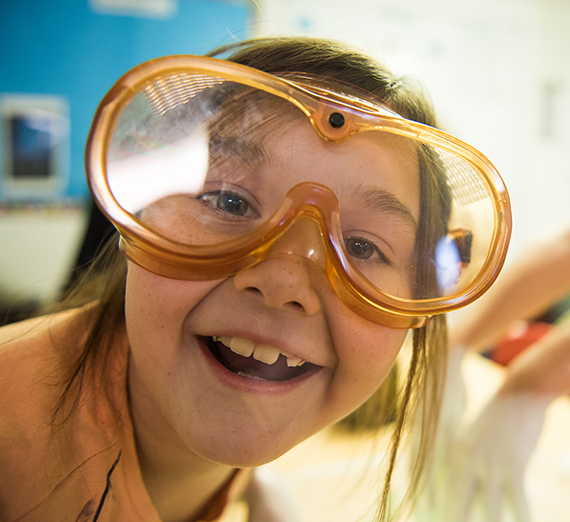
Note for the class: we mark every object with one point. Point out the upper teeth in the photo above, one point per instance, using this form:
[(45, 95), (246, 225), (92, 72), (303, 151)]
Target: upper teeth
[(261, 352)]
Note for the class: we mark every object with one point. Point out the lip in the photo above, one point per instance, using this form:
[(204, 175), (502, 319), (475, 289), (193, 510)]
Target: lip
[(245, 384)]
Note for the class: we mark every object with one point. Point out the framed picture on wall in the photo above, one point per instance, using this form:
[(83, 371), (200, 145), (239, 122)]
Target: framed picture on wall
[(34, 147)]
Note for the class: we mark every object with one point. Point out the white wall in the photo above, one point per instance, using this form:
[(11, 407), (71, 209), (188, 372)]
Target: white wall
[(498, 72), (38, 247)]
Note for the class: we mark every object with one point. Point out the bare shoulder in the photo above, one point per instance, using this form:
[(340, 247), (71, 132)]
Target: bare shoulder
[(31, 364), (44, 333)]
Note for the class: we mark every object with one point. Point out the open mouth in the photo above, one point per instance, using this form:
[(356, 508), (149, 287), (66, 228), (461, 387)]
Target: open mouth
[(266, 363)]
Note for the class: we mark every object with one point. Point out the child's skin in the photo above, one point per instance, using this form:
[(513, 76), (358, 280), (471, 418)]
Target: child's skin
[(194, 419)]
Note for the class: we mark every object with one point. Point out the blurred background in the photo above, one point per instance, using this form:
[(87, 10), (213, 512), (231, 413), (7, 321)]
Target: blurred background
[(498, 72)]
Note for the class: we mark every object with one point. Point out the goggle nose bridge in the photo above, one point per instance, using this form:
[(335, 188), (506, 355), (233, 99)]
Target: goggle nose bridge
[(305, 235), (310, 221)]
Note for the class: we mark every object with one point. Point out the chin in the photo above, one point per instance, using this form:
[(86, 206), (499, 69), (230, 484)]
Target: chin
[(249, 454)]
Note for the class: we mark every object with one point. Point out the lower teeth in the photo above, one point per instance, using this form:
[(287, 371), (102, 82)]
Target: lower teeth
[(254, 377)]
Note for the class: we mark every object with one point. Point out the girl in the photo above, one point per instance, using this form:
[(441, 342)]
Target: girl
[(286, 215)]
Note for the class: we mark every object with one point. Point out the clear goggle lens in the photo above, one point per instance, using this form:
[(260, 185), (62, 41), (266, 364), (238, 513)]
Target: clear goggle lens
[(214, 167)]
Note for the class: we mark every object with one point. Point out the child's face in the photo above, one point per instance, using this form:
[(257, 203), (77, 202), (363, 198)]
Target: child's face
[(209, 400)]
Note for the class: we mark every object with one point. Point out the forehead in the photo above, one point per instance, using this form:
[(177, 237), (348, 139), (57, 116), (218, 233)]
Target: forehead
[(287, 151)]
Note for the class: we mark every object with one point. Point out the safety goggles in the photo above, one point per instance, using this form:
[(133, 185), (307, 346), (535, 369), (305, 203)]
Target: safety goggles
[(207, 168)]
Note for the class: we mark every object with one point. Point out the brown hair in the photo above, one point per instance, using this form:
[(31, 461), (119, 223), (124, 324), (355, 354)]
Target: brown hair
[(104, 283)]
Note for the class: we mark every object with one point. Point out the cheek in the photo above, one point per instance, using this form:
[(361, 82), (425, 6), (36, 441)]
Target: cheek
[(366, 353), (156, 307), (372, 352), (147, 309)]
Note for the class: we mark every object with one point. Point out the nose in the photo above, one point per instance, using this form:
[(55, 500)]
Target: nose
[(285, 278)]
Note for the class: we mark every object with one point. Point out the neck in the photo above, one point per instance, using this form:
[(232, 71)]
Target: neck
[(179, 495), (179, 482)]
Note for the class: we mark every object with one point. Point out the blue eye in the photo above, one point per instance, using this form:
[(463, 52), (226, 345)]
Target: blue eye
[(229, 204), (232, 203)]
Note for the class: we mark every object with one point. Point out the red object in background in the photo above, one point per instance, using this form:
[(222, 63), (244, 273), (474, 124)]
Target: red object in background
[(520, 336)]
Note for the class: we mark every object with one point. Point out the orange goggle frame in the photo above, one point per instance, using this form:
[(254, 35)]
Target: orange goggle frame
[(171, 81)]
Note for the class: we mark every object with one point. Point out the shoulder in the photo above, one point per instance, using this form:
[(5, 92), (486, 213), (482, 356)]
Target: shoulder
[(32, 349), (26, 349), (41, 332), (43, 462), (31, 367), (33, 363), (37, 355)]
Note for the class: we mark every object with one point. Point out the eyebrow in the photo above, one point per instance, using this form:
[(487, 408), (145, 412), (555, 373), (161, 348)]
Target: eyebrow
[(381, 200), (244, 150)]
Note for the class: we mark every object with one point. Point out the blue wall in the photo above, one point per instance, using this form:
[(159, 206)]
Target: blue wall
[(63, 47)]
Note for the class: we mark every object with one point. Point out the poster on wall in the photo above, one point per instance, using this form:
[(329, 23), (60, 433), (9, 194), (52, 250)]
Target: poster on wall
[(34, 147)]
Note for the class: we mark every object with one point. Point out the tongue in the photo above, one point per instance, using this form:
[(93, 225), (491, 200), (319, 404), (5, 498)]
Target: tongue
[(248, 366)]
